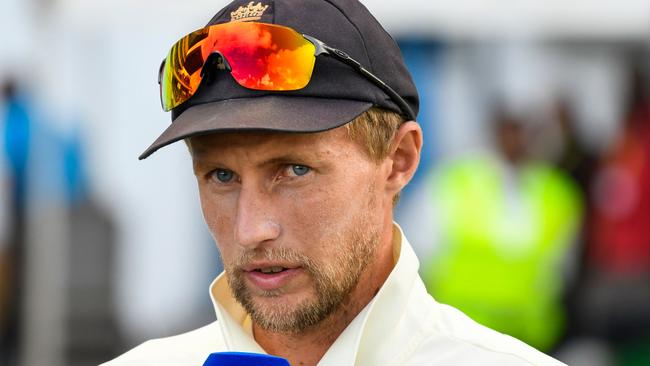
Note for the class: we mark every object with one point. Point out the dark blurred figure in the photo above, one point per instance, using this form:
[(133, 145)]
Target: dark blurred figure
[(92, 331), (507, 223), (92, 242), (511, 139), (16, 125), (91, 334), (616, 297), (577, 161)]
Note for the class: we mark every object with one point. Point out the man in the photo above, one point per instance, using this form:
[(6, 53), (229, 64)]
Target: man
[(300, 152)]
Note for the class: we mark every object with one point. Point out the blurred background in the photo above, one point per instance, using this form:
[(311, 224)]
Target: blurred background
[(530, 212)]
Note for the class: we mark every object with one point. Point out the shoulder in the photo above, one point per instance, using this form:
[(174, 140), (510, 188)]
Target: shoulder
[(191, 348), (457, 339)]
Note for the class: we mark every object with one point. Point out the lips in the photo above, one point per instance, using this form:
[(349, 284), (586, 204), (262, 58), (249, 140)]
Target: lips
[(270, 270), (270, 276)]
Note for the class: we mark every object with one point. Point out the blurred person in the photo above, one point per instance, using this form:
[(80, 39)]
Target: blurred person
[(616, 296), (505, 226), (15, 127), (621, 237), (298, 174), (91, 241), (6, 264), (82, 278), (4, 240), (577, 161), (575, 158)]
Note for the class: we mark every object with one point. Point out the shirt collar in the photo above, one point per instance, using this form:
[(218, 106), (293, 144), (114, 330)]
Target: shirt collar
[(359, 342)]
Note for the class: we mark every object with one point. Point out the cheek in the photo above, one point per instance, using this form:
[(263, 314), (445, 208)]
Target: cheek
[(320, 215), (218, 217), (307, 214)]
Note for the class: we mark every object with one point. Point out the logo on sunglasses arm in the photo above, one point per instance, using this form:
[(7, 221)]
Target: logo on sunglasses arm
[(248, 13)]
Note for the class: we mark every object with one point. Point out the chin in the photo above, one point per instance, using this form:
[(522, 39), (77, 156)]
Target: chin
[(285, 313), (277, 299)]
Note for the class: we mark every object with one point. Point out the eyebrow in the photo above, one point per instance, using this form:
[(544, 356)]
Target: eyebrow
[(307, 158), (291, 158)]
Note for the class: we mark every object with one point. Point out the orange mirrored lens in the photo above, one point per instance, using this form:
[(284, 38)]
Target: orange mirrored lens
[(262, 57)]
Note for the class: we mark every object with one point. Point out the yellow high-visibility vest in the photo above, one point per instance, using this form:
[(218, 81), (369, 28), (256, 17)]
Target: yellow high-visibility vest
[(504, 267)]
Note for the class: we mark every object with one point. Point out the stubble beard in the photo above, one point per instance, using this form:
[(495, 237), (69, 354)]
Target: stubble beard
[(332, 282)]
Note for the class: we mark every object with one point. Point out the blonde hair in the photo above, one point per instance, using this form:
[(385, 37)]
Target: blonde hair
[(374, 130)]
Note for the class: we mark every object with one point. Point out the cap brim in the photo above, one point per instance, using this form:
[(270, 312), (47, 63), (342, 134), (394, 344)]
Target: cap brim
[(267, 113)]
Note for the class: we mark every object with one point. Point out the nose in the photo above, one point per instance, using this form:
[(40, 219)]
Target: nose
[(255, 221)]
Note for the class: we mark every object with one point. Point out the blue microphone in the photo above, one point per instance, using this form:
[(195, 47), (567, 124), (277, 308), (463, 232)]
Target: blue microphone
[(244, 359)]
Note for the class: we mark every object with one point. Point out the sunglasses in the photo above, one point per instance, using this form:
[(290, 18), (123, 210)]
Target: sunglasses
[(259, 56)]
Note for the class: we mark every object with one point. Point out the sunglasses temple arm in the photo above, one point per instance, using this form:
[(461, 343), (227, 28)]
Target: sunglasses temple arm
[(160, 76), (388, 90), (344, 57)]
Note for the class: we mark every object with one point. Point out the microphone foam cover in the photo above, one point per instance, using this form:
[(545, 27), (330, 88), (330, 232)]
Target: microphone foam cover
[(244, 359)]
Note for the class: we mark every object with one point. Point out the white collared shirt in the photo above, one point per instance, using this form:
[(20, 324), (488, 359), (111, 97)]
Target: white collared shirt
[(402, 325)]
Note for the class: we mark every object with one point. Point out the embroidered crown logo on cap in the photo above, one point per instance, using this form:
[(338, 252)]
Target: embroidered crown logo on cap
[(248, 13)]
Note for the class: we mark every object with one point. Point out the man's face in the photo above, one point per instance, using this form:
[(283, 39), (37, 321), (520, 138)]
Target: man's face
[(297, 218)]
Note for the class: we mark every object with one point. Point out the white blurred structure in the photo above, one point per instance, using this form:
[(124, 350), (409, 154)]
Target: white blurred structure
[(107, 55), (550, 19), (608, 19)]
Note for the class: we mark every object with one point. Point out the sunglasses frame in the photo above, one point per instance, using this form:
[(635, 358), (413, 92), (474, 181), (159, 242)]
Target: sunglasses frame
[(320, 49), (324, 49)]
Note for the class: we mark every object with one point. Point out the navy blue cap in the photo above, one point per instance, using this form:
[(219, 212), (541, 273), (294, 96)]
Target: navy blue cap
[(336, 93)]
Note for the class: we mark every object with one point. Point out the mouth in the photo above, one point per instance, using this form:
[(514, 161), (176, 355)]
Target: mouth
[(269, 277), (269, 267), (270, 270)]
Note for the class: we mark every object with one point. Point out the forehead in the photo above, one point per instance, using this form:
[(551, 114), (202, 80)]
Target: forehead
[(254, 144)]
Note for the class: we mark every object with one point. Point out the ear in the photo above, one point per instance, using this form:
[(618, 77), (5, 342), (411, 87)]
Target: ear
[(404, 156)]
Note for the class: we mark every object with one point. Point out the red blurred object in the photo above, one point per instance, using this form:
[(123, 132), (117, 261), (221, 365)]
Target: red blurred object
[(621, 221)]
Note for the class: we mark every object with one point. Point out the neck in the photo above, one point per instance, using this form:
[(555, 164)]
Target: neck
[(306, 348)]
